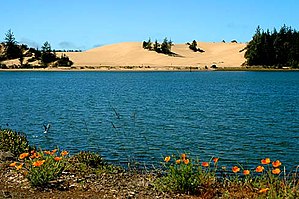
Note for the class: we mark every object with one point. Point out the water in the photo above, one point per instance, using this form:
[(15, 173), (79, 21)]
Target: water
[(240, 117)]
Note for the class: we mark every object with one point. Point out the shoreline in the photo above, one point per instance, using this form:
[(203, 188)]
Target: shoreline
[(153, 69)]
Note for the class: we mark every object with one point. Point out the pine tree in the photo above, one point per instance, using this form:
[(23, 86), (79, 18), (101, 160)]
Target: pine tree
[(12, 50), (47, 56)]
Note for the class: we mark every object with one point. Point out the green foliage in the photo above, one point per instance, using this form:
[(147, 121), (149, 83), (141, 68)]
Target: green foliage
[(13, 141), (148, 44), (164, 48), (193, 46), (183, 175), (274, 48), (12, 50), (47, 56), (64, 61), (88, 158), (40, 168)]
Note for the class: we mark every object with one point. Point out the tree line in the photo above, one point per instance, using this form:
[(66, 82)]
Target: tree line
[(164, 47), (276, 48), (46, 56)]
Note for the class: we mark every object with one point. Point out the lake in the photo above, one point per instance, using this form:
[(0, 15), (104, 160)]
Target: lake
[(240, 117)]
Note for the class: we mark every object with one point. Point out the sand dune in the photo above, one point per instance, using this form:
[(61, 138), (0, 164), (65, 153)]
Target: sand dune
[(132, 54)]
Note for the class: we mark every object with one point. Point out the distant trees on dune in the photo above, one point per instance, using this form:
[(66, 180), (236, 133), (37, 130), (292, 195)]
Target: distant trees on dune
[(193, 46), (276, 48), (164, 47), (10, 50)]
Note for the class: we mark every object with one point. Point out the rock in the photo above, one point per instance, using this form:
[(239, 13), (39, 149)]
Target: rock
[(6, 156)]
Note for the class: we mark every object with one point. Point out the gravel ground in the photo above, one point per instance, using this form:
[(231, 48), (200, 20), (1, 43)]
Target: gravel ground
[(123, 184)]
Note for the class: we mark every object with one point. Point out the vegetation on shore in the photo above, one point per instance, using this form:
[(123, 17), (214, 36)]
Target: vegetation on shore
[(179, 175), (276, 48), (10, 49)]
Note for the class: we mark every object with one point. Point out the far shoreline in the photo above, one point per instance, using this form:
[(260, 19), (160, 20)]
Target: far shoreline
[(153, 69)]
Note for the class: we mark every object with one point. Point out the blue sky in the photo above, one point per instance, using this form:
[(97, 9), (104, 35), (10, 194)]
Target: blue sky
[(77, 24)]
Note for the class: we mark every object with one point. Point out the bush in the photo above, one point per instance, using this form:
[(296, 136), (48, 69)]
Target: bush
[(13, 141), (64, 61), (42, 167), (88, 158), (184, 175)]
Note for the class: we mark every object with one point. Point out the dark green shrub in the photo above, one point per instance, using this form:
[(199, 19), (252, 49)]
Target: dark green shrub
[(13, 141), (88, 158)]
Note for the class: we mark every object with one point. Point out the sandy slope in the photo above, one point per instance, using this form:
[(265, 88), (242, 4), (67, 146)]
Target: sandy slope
[(132, 54)]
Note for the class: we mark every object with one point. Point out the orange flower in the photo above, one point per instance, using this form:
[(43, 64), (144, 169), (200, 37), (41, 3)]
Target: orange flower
[(178, 161), (13, 164), (35, 155), (266, 161), (19, 167), (167, 159), (276, 171), (24, 155), (38, 163), (259, 169), (186, 161), (47, 152), (235, 169), (263, 190), (53, 151), (215, 160), (64, 153), (184, 156), (246, 172), (205, 164), (32, 152), (276, 163), (57, 159)]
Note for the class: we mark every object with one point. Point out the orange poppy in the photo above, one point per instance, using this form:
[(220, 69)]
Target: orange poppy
[(35, 155), (266, 161), (215, 160), (32, 152), (205, 164), (13, 164), (178, 161), (57, 159), (246, 172), (53, 151), (276, 171), (184, 156), (64, 153), (263, 190), (167, 159), (276, 163), (47, 152), (259, 169), (235, 169), (24, 155), (186, 161), (38, 163), (19, 167)]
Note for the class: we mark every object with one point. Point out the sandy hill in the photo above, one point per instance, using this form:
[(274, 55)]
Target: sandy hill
[(132, 54)]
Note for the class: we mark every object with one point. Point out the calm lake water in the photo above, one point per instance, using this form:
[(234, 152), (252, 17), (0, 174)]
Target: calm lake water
[(240, 117)]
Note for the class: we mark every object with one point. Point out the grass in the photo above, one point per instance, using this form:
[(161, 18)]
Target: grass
[(180, 174)]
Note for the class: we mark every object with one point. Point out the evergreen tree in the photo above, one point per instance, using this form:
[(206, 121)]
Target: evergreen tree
[(47, 56), (12, 50), (64, 61), (165, 46), (274, 49), (193, 46), (156, 46), (149, 44)]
